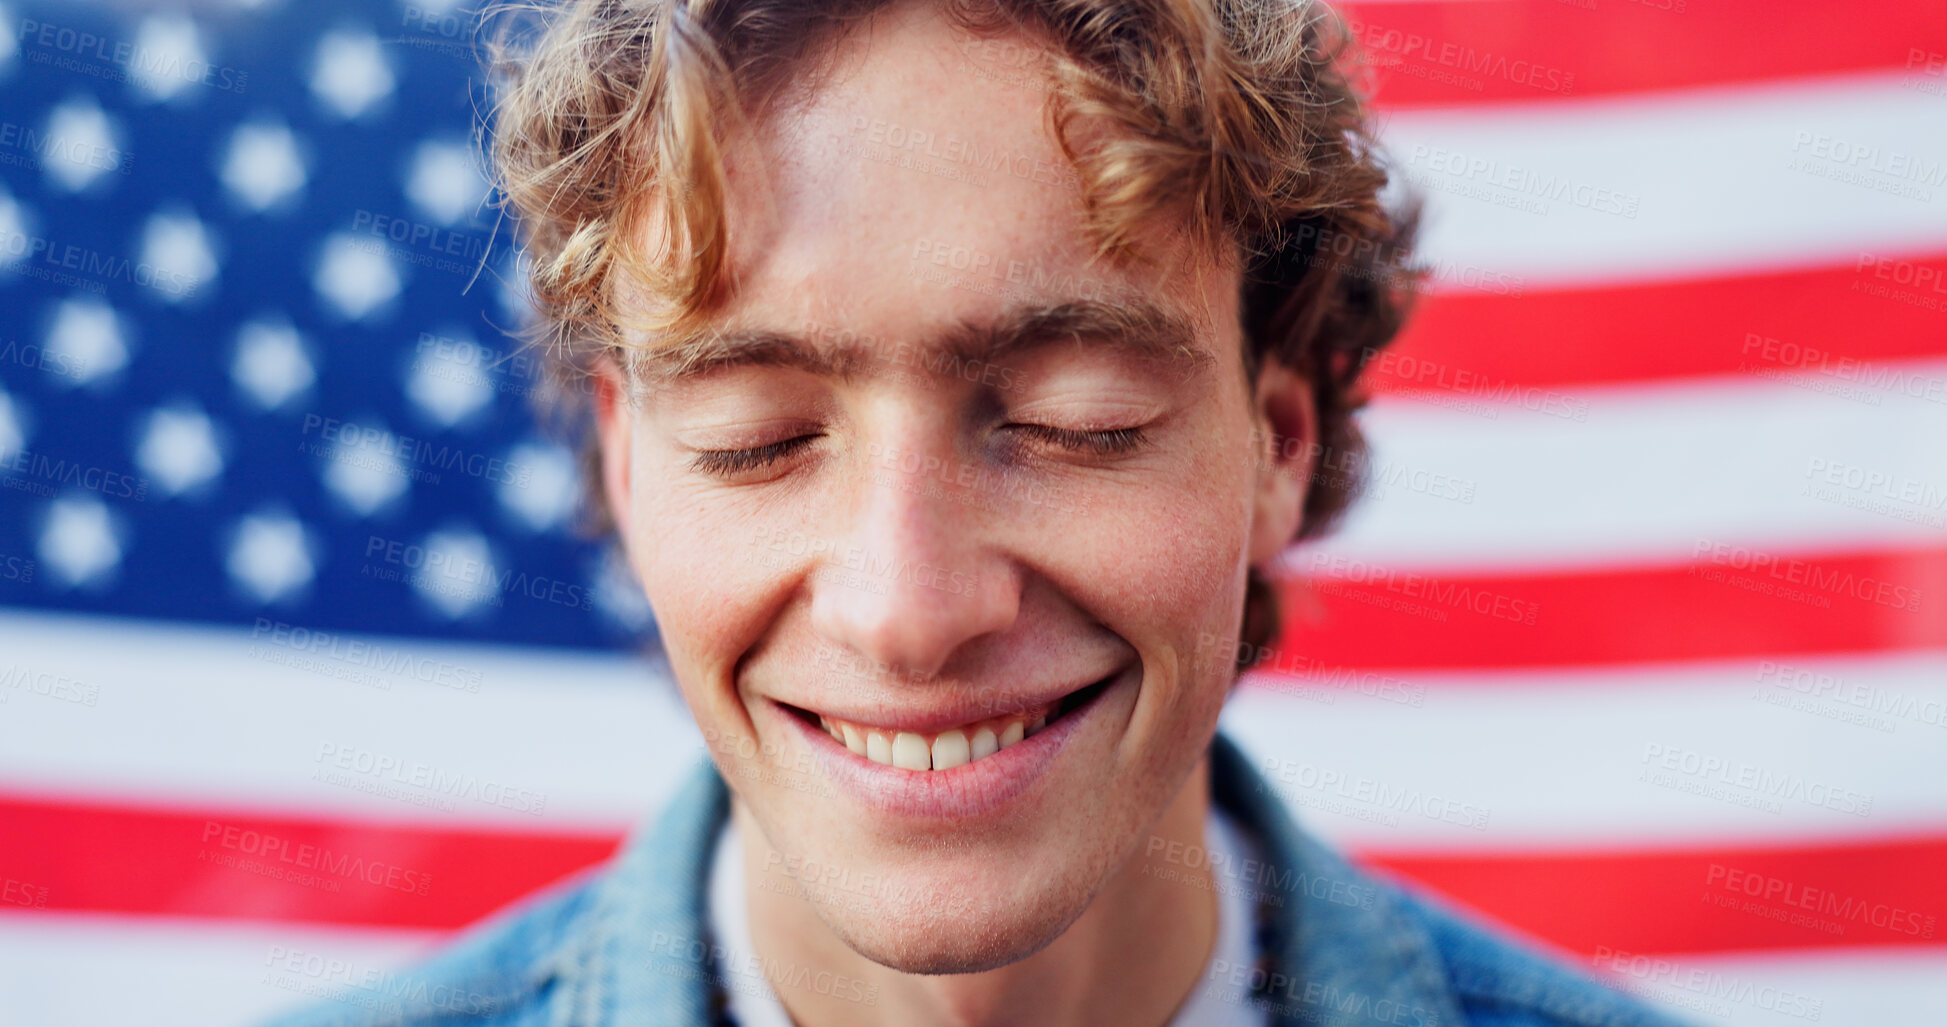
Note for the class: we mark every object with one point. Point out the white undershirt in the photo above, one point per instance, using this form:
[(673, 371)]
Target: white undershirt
[(754, 1004)]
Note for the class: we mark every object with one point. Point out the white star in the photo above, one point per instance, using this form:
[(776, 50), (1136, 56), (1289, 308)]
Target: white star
[(365, 474), (512, 290), (429, 7), (271, 365), (179, 253), (355, 276), (13, 432), (270, 556), (446, 389), (349, 72), (458, 576), (179, 449), (444, 181), (87, 337), (619, 596), (168, 56), (540, 487), (79, 541), (263, 166), (78, 133)]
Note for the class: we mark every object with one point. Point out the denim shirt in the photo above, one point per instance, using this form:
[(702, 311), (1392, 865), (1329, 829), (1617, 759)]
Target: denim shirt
[(628, 944)]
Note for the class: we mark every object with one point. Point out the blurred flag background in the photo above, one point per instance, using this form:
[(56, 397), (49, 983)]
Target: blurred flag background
[(1638, 640)]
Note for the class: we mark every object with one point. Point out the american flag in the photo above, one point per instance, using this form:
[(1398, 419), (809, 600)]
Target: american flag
[(1637, 641)]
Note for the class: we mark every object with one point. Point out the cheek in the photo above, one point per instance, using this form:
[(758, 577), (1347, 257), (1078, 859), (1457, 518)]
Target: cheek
[(703, 565), (1165, 565), (1184, 566)]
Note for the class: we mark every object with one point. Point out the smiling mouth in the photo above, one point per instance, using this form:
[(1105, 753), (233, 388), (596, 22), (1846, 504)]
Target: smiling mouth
[(956, 746)]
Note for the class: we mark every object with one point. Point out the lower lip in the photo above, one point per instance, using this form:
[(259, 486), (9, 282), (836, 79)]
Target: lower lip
[(982, 786)]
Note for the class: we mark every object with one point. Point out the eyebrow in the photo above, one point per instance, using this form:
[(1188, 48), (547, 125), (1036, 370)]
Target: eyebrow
[(1137, 329)]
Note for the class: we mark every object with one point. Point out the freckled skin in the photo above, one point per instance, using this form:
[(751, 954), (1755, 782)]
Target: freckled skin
[(1134, 560)]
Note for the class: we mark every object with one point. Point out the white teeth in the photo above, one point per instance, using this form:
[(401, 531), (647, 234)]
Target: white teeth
[(950, 750), (909, 752)]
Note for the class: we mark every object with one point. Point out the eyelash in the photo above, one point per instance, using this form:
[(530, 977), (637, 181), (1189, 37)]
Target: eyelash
[(727, 462), (1108, 442)]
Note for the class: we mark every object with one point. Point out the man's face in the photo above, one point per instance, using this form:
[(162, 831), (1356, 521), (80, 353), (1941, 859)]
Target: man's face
[(969, 499)]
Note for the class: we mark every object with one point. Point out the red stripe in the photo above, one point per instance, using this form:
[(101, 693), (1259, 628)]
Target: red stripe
[(254, 867), (1837, 327), (1806, 896), (98, 857), (1730, 603), (1445, 53)]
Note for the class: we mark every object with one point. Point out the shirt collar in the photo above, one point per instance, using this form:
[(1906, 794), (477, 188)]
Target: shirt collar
[(1335, 946)]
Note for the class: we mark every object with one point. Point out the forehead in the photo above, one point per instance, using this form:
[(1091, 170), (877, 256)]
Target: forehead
[(910, 183)]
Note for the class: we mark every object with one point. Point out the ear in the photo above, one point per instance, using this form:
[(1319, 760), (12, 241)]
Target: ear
[(615, 426), (1286, 439)]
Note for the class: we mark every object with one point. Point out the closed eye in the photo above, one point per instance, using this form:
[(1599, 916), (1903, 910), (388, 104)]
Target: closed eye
[(726, 463), (1107, 442)]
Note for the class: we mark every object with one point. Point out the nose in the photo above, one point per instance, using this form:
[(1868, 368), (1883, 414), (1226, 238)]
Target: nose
[(918, 576)]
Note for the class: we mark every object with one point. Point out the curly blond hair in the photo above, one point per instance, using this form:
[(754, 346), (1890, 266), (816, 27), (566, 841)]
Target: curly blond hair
[(1239, 114)]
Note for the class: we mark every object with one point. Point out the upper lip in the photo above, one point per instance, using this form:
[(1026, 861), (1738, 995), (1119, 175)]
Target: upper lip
[(950, 708)]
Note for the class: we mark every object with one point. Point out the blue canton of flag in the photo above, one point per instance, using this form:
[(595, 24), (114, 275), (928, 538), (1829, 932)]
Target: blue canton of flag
[(253, 362)]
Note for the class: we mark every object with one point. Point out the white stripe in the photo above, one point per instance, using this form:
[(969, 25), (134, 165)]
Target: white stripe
[(1684, 755), (1894, 986), (1713, 174), (197, 714), (1650, 473), (62, 969)]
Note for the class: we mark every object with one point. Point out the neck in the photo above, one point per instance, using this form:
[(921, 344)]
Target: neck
[(1132, 957)]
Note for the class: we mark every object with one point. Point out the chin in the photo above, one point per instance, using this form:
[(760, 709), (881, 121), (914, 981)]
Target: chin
[(939, 923), (929, 943)]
